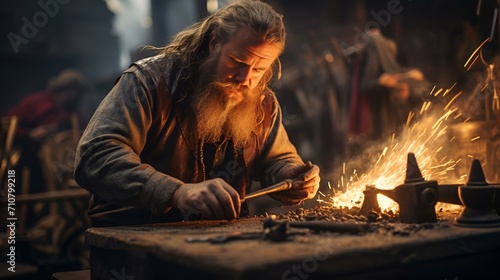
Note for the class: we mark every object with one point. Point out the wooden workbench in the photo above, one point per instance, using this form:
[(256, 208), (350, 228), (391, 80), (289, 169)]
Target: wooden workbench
[(435, 251)]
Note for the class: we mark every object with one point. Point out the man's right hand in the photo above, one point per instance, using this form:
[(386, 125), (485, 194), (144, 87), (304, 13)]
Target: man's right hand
[(211, 199)]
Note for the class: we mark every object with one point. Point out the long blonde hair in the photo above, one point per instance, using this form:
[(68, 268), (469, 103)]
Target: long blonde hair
[(191, 45)]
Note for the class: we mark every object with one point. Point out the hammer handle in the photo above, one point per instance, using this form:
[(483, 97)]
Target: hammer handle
[(281, 186)]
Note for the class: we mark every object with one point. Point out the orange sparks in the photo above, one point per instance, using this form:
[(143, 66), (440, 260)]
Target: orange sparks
[(473, 62), (432, 90), (449, 89), (438, 92), (424, 134), (485, 86), (451, 101), (475, 51)]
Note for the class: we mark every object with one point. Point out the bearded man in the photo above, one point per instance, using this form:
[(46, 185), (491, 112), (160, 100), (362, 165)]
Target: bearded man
[(183, 134)]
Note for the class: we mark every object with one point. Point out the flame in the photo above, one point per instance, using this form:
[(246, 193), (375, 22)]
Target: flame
[(425, 134)]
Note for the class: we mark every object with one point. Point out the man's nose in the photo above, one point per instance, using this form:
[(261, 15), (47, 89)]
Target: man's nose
[(243, 76)]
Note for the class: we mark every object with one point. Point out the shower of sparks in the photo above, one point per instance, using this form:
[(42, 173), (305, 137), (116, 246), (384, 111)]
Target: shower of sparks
[(424, 137)]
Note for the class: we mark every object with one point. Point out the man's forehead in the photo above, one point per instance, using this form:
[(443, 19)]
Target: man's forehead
[(245, 42)]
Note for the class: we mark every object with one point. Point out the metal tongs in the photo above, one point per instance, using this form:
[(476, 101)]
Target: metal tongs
[(281, 186)]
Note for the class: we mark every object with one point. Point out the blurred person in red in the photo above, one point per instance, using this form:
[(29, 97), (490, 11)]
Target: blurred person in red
[(43, 113)]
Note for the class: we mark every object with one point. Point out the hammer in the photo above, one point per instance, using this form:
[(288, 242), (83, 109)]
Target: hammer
[(281, 186)]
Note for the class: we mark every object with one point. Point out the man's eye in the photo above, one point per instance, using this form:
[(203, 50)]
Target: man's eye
[(237, 61)]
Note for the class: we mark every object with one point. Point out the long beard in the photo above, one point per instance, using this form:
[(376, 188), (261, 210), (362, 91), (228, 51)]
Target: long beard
[(221, 116)]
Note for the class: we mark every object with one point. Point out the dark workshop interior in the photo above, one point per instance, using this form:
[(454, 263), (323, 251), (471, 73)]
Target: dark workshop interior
[(414, 194)]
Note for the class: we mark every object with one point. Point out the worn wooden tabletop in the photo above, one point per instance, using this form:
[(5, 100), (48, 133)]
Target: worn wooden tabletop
[(441, 251)]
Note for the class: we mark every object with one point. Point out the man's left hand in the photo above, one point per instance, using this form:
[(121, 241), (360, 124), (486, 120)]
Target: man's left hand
[(307, 184)]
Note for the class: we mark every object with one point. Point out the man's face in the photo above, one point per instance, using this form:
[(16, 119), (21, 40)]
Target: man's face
[(231, 87), (244, 60)]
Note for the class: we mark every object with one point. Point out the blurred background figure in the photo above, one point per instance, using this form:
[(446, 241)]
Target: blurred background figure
[(385, 91), (49, 231), (44, 113)]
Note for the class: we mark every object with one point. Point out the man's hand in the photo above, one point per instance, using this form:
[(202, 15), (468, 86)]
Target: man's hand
[(307, 184), (392, 80), (415, 74), (211, 199), (388, 80)]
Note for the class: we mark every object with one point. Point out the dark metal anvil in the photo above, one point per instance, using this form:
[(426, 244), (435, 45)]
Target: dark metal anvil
[(451, 194), (416, 197)]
